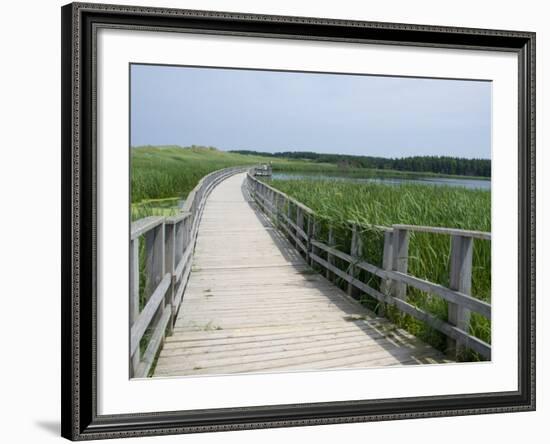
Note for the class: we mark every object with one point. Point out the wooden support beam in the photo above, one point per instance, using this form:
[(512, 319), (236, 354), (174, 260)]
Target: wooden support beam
[(330, 258), (311, 235), (154, 260), (179, 240), (169, 267), (148, 314), (134, 297), (154, 264), (355, 252), (400, 260), (460, 279), (387, 264), (299, 220), (289, 215)]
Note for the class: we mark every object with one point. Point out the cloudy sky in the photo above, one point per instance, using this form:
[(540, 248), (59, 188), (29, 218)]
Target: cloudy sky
[(326, 113)]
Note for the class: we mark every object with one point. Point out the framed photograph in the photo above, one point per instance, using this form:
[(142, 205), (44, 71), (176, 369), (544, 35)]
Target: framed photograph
[(275, 221)]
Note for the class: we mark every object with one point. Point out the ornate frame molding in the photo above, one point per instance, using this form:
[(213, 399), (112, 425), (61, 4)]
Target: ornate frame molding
[(79, 396)]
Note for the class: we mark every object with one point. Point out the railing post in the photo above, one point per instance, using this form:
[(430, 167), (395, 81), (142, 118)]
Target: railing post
[(330, 258), (355, 252), (154, 246), (400, 260), (277, 208), (154, 262), (299, 219), (179, 241), (288, 214), (387, 263), (311, 234), (134, 298), (186, 233), (169, 266), (460, 279)]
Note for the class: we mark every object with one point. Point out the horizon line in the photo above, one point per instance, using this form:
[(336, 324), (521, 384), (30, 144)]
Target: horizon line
[(259, 153)]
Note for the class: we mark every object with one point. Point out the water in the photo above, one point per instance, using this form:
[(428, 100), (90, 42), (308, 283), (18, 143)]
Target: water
[(477, 184)]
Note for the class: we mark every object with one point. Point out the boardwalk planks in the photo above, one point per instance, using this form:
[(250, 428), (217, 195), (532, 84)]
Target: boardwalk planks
[(253, 304)]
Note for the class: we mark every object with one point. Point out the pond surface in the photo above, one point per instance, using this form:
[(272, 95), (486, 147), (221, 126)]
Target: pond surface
[(478, 184)]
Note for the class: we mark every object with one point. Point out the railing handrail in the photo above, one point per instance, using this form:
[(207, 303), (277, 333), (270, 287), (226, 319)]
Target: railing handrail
[(484, 235), (393, 272), (169, 242)]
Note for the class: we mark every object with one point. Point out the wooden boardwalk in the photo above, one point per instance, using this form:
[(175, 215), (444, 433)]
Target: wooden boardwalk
[(252, 304)]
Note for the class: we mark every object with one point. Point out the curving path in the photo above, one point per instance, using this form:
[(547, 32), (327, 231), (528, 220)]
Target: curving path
[(252, 304)]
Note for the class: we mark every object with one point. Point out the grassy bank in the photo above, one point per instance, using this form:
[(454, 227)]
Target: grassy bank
[(162, 175), (442, 206), (171, 171)]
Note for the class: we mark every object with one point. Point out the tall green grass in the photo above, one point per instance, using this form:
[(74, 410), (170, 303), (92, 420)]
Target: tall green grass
[(171, 172), (160, 174), (339, 203)]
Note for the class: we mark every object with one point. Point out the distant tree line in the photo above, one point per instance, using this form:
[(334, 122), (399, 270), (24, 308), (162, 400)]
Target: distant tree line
[(432, 164)]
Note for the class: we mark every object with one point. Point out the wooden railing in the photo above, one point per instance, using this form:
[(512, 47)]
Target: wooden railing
[(300, 225), (167, 251)]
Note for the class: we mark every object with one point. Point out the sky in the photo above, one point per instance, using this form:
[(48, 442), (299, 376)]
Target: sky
[(270, 111)]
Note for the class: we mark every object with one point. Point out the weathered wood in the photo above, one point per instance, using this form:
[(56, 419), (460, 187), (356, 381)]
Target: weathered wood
[(470, 302), (253, 303), (330, 258), (281, 356), (134, 297), (176, 218), (311, 235), (454, 297), (460, 279), (300, 222), (440, 230), (297, 241), (354, 253), (296, 228), (183, 262), (238, 303), (194, 342), (351, 280), (151, 308), (333, 251), (447, 329), (179, 240), (154, 258), (288, 218), (348, 258), (165, 239), (400, 260), (154, 345), (144, 225), (476, 344), (169, 267), (387, 263)]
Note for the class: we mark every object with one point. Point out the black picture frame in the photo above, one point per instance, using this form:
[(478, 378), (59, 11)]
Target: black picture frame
[(79, 391)]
